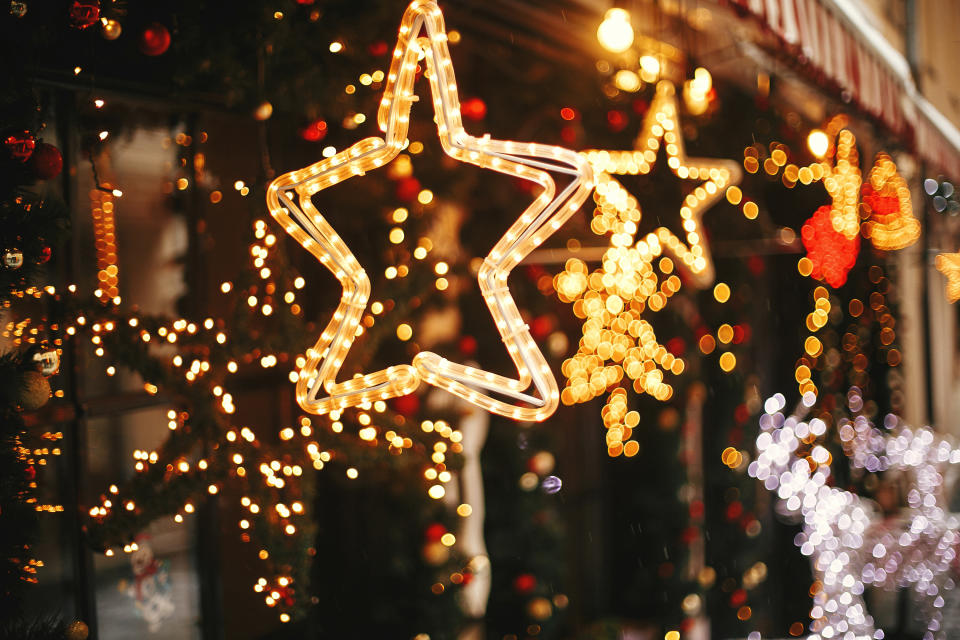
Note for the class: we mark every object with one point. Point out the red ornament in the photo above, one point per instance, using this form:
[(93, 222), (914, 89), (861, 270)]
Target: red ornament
[(20, 146), (435, 531), (524, 583), (408, 188), (677, 347), (690, 535), (315, 131), (734, 510), (640, 106), (155, 40), (406, 405), (741, 414), (468, 345), (45, 254), (755, 265), (738, 598), (474, 109), (378, 48), (47, 161), (84, 13), (30, 472), (831, 252), (697, 509), (616, 120), (305, 1), (541, 327)]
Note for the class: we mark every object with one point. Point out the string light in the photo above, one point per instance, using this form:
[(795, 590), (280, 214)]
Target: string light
[(545, 215), (105, 240)]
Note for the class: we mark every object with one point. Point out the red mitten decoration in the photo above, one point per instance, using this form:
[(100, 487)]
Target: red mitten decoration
[(832, 253)]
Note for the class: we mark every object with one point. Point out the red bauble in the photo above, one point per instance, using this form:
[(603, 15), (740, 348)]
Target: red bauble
[(734, 510), (697, 509), (474, 109), (47, 161), (677, 347), (84, 13), (738, 598), (315, 131), (434, 532), (45, 254), (155, 40), (408, 188), (524, 583), (20, 146), (541, 327), (616, 120), (468, 345), (831, 252), (407, 405), (30, 473), (690, 535)]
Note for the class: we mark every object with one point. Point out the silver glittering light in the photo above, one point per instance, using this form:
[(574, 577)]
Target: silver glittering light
[(851, 547)]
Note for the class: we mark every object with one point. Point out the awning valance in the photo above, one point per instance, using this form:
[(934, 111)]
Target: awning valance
[(834, 38)]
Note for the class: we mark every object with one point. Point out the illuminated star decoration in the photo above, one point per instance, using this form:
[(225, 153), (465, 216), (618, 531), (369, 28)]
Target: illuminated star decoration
[(850, 544), (949, 265), (891, 225), (611, 300), (542, 218)]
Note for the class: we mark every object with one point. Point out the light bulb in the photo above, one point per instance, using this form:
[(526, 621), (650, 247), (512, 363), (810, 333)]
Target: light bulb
[(818, 143), (615, 33)]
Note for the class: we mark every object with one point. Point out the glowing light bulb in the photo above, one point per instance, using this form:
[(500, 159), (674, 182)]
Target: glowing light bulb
[(818, 142), (615, 33)]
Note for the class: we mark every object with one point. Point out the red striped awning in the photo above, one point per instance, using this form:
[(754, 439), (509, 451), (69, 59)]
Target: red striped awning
[(833, 38)]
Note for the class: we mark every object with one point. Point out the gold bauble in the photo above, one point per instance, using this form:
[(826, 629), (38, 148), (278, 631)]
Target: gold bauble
[(264, 111), (539, 609), (77, 630), (111, 29)]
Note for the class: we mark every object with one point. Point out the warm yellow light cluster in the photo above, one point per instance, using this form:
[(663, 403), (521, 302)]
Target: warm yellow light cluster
[(887, 228), (949, 265), (105, 239), (898, 228), (842, 182), (289, 201), (616, 340)]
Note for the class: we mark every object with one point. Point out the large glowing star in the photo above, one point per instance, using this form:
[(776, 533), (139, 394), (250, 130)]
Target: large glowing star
[(289, 200), (949, 265)]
